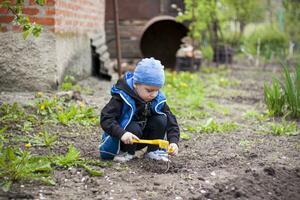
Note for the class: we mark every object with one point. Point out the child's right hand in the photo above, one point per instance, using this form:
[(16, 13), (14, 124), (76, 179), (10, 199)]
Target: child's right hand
[(128, 137)]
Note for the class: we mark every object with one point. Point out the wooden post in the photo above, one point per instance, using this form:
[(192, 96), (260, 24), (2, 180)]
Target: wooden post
[(117, 37)]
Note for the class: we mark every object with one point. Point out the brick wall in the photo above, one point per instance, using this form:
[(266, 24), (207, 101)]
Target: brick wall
[(60, 16), (63, 48)]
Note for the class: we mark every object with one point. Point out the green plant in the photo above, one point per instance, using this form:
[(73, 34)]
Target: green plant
[(69, 84), (11, 113), (269, 40), (211, 126), (245, 144), (72, 159), (45, 139), (274, 98), (254, 114), (283, 128), (56, 109), (17, 165), (292, 91), (16, 8), (184, 136)]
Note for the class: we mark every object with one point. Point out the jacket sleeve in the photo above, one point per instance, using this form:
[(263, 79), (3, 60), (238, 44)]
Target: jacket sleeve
[(173, 131), (110, 115)]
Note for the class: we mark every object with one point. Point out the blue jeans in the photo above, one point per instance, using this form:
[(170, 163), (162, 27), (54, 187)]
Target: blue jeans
[(153, 128)]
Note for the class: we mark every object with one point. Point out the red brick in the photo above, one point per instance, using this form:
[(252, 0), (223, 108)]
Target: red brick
[(16, 28), (48, 2), (3, 29), (3, 11), (50, 12), (6, 19), (31, 11), (43, 20)]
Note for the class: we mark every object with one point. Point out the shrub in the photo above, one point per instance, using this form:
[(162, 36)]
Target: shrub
[(270, 40)]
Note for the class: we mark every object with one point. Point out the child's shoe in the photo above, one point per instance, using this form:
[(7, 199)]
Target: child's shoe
[(158, 155), (123, 157)]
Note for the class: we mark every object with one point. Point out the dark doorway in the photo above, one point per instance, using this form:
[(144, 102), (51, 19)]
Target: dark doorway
[(162, 38)]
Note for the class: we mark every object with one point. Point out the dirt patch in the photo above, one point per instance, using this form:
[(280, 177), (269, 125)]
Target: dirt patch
[(242, 164)]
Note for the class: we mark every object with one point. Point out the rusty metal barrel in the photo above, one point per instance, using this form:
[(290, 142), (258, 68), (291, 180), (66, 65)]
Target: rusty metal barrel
[(161, 38)]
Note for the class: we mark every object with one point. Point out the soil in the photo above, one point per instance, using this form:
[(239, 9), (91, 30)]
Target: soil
[(242, 164)]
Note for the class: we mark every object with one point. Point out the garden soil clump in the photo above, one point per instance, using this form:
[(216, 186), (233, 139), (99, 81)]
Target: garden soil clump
[(241, 164)]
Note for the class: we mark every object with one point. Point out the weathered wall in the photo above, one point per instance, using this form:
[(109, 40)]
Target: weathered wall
[(27, 65), (63, 47)]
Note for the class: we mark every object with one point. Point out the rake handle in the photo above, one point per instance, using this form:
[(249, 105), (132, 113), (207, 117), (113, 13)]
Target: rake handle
[(145, 142)]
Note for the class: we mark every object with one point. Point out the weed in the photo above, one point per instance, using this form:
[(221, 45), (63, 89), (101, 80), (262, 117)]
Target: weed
[(72, 159), (252, 114), (184, 136), (274, 98), (292, 91), (245, 144), (211, 126), (45, 139), (66, 113), (16, 165), (284, 99), (10, 113), (283, 128)]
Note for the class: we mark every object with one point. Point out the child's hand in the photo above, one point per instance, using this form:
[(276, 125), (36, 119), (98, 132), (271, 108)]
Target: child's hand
[(174, 147), (127, 138)]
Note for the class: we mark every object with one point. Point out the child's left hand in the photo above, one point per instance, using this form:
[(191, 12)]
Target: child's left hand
[(174, 147)]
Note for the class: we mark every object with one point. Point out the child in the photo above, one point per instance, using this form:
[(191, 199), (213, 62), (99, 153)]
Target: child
[(136, 110)]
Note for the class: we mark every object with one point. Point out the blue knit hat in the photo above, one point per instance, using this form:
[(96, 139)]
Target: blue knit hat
[(149, 72)]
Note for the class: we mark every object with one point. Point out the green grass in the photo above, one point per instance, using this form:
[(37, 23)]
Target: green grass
[(283, 99), (292, 91), (211, 126), (283, 128), (274, 98)]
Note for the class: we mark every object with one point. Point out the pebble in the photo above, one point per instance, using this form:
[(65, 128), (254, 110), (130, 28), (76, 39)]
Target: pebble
[(178, 198), (156, 183), (203, 191), (213, 173)]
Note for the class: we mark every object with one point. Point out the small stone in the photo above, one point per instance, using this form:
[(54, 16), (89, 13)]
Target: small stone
[(213, 173), (22, 186), (178, 198), (156, 183), (203, 191)]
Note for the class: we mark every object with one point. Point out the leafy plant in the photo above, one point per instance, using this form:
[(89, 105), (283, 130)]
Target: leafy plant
[(45, 139), (17, 165), (211, 126), (269, 39), (10, 113), (66, 113), (274, 98), (72, 159), (15, 7)]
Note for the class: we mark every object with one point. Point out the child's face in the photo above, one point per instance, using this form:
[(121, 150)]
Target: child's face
[(146, 92)]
